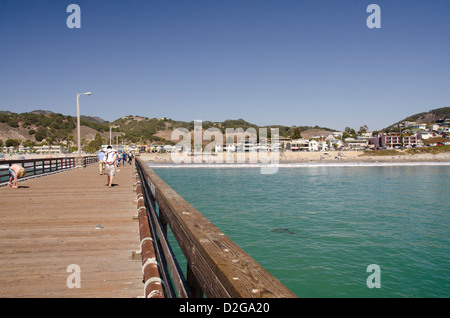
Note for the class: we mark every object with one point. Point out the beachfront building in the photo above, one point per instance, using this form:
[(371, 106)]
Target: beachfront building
[(393, 140), (300, 145), (323, 145), (316, 145), (10, 149), (356, 144), (333, 142), (285, 143), (23, 149), (313, 145), (374, 142), (128, 148), (50, 150), (409, 140), (338, 134)]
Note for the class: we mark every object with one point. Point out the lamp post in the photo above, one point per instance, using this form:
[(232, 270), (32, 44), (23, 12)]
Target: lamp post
[(78, 120)]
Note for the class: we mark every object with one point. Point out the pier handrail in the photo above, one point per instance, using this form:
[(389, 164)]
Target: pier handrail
[(216, 266), (43, 166)]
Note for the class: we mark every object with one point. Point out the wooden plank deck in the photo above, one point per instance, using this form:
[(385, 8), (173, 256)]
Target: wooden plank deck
[(69, 218)]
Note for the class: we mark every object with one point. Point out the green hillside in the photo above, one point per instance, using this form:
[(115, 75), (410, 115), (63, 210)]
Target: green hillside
[(52, 128), (425, 117), (47, 125)]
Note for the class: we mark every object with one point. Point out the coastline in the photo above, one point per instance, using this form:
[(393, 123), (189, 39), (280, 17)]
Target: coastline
[(321, 157), (289, 157)]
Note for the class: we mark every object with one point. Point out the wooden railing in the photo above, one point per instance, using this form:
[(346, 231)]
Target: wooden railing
[(216, 266), (43, 166)]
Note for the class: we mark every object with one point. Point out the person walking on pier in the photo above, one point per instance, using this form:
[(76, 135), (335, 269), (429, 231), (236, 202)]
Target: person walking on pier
[(130, 157), (15, 172), (110, 160), (101, 161)]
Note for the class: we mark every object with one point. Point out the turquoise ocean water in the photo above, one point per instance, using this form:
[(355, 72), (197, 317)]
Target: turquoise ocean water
[(318, 228)]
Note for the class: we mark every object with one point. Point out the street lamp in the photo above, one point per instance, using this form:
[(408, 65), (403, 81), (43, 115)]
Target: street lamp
[(78, 120)]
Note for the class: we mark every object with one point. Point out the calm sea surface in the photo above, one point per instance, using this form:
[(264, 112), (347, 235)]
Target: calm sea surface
[(318, 228)]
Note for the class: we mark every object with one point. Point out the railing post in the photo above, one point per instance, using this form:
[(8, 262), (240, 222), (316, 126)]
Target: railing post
[(79, 162), (193, 284), (163, 221)]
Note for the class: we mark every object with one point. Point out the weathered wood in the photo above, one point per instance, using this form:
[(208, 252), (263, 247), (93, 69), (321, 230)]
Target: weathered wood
[(221, 268), (199, 267), (70, 218), (163, 248), (193, 283), (152, 280)]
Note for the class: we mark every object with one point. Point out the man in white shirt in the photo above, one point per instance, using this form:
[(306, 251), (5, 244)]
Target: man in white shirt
[(110, 161)]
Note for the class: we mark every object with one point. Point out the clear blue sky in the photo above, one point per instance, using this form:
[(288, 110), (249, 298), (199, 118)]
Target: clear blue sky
[(311, 62)]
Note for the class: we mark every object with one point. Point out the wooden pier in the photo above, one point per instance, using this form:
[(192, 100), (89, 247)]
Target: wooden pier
[(70, 218)]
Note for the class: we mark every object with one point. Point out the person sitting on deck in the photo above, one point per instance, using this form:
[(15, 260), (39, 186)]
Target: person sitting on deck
[(15, 172)]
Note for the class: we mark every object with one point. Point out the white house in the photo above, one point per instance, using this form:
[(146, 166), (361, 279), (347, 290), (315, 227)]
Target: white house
[(424, 134), (332, 141), (421, 126), (313, 145), (338, 134), (323, 146), (435, 127), (50, 149)]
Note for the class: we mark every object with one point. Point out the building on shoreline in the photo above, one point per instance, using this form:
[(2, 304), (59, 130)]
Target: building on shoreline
[(356, 144), (40, 150), (393, 140), (50, 150)]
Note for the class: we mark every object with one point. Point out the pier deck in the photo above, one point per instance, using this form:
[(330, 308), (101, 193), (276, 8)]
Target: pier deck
[(70, 218)]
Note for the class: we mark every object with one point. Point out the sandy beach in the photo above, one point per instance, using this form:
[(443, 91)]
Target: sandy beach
[(285, 157), (330, 156)]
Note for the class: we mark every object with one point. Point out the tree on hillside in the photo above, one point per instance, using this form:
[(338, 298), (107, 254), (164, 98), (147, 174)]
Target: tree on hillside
[(349, 132), (69, 140), (12, 143), (41, 134), (296, 134), (95, 144), (363, 130)]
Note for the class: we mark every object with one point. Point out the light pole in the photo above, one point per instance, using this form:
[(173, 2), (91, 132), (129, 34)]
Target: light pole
[(78, 120)]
